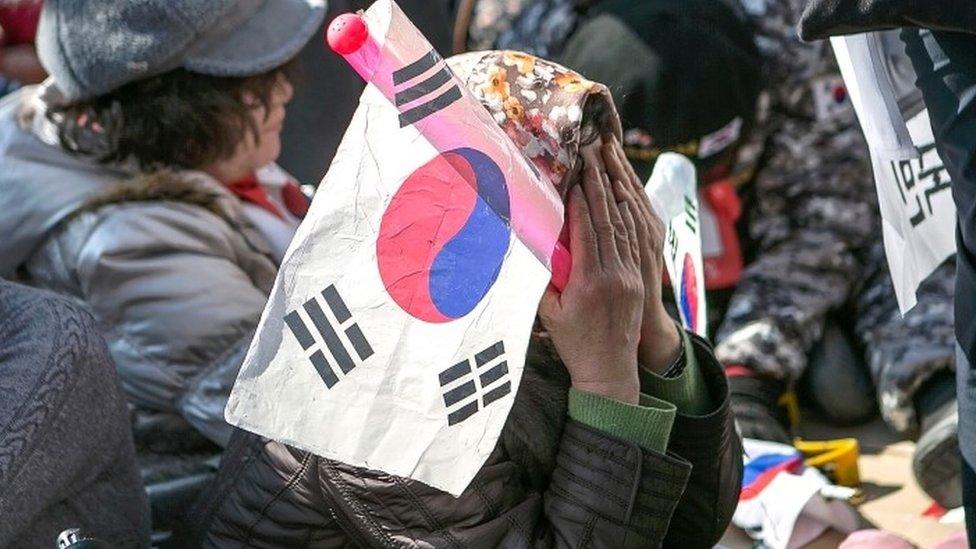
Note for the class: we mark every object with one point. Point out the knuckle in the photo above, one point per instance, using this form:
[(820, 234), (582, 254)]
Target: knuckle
[(631, 283)]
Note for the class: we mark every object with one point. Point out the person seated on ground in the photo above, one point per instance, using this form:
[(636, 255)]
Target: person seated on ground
[(648, 454), (146, 189), (66, 453)]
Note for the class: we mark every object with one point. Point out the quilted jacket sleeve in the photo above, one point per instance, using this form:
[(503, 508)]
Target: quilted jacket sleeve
[(711, 445)]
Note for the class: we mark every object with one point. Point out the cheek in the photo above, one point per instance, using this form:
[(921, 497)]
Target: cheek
[(269, 148)]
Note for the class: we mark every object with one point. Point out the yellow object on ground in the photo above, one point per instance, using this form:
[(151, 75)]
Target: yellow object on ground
[(836, 458), (789, 401)]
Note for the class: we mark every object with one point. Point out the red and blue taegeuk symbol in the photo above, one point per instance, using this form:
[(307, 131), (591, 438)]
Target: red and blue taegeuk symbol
[(689, 293), (444, 236)]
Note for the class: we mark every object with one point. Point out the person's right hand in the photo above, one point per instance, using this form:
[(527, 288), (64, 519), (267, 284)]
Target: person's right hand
[(660, 339), (595, 322)]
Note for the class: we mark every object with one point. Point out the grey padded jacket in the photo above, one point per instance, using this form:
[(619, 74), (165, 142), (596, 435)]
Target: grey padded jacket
[(168, 265)]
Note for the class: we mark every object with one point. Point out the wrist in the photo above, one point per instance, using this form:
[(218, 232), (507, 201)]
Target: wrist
[(625, 390), (660, 343)]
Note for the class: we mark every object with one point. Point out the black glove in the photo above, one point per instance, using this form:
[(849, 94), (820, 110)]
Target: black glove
[(754, 402), (825, 18)]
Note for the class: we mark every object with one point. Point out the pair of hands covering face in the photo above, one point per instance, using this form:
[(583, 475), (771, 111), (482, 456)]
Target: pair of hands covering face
[(610, 317)]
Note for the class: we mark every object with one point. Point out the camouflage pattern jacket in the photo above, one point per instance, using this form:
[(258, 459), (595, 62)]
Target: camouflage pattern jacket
[(810, 207)]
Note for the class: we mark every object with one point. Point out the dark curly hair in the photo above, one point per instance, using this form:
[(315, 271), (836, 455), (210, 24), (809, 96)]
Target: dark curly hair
[(596, 122), (178, 119)]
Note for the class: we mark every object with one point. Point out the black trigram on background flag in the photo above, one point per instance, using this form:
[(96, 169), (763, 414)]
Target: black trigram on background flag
[(691, 209), (473, 384), (430, 88), (337, 332)]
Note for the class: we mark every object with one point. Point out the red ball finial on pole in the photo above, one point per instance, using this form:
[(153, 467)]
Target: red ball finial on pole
[(347, 33)]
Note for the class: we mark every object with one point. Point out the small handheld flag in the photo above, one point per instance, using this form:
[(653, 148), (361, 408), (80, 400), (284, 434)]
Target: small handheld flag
[(395, 336), (672, 190)]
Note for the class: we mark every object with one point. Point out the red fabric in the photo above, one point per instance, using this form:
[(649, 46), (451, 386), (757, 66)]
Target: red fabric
[(19, 22), (738, 370), (295, 200), (717, 173), (724, 271), (793, 465), (724, 200), (249, 190)]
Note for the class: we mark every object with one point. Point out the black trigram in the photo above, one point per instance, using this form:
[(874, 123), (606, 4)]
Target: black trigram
[(691, 214), (428, 88), (485, 375), (338, 334)]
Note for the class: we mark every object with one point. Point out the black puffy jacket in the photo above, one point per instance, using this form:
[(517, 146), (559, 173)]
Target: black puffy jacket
[(549, 483)]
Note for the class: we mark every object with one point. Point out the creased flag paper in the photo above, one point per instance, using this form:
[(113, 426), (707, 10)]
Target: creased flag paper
[(395, 336), (672, 189)]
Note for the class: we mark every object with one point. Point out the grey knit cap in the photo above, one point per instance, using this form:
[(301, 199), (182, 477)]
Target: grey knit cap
[(91, 47)]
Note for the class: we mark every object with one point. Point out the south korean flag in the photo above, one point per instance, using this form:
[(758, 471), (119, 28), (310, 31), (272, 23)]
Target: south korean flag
[(395, 335)]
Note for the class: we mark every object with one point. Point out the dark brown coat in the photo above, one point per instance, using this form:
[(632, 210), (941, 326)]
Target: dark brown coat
[(549, 483)]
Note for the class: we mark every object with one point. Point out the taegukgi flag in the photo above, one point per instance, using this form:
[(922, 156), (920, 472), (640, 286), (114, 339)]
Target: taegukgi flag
[(395, 335), (673, 191)]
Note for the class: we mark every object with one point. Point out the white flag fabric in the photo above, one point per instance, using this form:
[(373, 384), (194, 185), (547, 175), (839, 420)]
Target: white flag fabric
[(672, 189), (782, 503), (395, 336), (917, 211)]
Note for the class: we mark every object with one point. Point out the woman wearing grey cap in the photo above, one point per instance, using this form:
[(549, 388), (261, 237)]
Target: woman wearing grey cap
[(140, 180)]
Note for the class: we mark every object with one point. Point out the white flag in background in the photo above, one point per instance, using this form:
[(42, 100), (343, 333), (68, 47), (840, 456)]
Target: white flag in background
[(917, 211)]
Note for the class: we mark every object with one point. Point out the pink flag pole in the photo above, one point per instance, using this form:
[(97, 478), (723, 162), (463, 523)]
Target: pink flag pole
[(348, 35)]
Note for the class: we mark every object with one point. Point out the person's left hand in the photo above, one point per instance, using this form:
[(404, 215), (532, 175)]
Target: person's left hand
[(660, 340)]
